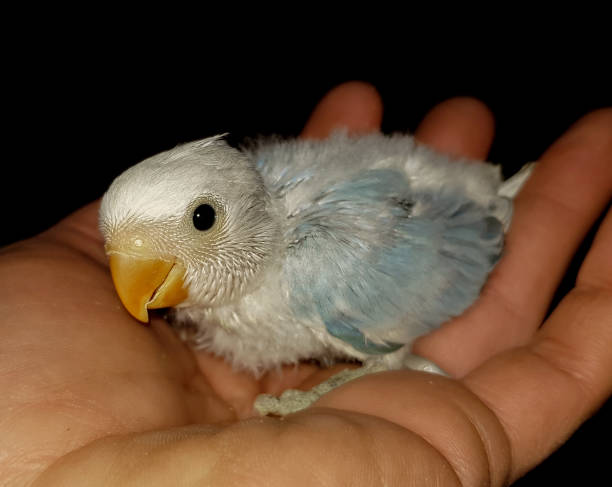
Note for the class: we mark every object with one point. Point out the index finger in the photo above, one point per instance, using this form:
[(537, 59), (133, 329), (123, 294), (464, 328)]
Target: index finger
[(566, 193)]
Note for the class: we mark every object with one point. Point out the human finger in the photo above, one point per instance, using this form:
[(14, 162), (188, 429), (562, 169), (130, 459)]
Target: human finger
[(565, 194), (354, 105), (543, 391), (461, 127)]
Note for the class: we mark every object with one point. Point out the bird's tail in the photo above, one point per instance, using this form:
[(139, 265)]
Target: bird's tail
[(508, 191), (511, 186)]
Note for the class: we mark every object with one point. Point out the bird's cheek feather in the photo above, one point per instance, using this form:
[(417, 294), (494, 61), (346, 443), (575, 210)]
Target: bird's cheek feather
[(145, 283)]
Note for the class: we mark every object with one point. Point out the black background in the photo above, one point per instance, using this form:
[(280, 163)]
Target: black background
[(78, 114)]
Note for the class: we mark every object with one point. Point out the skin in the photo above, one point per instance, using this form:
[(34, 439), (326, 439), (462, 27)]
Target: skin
[(93, 394)]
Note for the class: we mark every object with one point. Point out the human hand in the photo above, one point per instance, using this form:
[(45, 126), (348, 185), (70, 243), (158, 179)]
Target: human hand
[(80, 369)]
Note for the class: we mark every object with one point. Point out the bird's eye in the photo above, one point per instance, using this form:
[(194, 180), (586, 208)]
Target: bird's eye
[(204, 217)]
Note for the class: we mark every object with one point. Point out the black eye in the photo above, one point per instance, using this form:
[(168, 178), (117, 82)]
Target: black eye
[(204, 217)]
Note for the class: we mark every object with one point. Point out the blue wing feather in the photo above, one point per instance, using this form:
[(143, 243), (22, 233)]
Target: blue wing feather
[(377, 273)]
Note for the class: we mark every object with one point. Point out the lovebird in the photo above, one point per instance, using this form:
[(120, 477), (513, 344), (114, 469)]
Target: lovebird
[(283, 250)]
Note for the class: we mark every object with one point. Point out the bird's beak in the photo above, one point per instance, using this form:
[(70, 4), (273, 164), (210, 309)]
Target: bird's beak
[(143, 283)]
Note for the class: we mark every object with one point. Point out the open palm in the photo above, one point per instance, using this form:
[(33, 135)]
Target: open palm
[(80, 372)]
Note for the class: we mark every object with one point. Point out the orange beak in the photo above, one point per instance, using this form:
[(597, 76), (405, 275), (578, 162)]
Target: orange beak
[(144, 283)]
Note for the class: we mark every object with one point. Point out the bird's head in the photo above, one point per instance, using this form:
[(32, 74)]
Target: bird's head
[(186, 226)]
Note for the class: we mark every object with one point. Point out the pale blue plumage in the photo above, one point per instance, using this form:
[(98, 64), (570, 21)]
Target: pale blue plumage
[(384, 286), (372, 270), (348, 247)]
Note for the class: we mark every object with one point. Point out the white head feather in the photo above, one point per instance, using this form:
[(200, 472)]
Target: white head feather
[(154, 201)]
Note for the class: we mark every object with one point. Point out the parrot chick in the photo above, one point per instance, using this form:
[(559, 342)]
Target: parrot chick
[(346, 248)]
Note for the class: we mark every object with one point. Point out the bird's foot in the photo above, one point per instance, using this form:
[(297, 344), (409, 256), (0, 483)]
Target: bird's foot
[(292, 400)]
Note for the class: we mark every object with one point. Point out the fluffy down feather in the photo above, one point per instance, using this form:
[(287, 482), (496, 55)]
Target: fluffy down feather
[(347, 247)]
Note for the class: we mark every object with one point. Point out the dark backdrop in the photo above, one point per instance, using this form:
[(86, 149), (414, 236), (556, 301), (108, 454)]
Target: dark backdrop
[(78, 118)]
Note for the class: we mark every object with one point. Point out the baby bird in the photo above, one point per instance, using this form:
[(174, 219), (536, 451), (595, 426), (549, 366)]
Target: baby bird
[(345, 248)]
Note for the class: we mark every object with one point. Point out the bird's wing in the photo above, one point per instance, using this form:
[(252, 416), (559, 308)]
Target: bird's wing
[(380, 264)]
